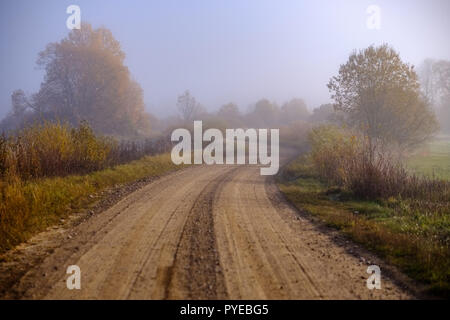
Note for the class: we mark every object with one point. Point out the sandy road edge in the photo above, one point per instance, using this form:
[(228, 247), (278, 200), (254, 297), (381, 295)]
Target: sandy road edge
[(17, 262), (413, 287)]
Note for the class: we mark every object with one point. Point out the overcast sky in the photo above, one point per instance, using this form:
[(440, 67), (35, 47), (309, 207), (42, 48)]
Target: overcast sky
[(234, 50)]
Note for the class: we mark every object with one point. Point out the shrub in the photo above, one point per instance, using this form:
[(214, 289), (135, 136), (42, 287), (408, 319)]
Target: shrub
[(342, 158), (27, 207), (332, 149), (33, 192), (57, 149), (52, 149)]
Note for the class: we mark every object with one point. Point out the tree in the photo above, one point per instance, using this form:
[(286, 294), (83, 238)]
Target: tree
[(380, 96), (324, 113), (294, 110), (229, 111), (230, 114), (428, 79), (264, 113), (19, 103), (86, 79), (444, 114), (188, 107), (435, 81)]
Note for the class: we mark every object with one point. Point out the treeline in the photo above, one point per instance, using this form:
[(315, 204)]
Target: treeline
[(262, 114), (86, 80), (292, 118)]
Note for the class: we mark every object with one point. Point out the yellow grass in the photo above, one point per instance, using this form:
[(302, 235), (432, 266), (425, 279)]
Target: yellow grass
[(27, 207)]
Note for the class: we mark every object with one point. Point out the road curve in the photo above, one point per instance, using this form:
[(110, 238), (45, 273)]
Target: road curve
[(205, 232)]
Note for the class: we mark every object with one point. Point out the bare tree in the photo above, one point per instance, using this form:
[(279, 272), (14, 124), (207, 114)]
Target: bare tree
[(188, 107), (435, 81)]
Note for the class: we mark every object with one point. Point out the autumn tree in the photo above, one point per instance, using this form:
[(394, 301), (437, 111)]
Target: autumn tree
[(380, 96), (86, 79)]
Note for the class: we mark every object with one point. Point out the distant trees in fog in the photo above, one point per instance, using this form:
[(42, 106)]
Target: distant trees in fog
[(435, 81), (375, 92), (262, 114), (188, 107)]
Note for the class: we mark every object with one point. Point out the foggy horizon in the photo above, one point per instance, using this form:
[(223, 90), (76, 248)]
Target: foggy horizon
[(225, 155), (224, 52)]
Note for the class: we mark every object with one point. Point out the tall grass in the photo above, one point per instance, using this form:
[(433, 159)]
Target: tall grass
[(48, 169), (57, 149), (27, 207), (342, 158)]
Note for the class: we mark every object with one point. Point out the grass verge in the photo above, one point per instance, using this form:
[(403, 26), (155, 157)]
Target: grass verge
[(415, 242), (28, 207), (433, 160)]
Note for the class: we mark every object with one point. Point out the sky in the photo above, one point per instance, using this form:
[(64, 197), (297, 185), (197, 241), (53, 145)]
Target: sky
[(224, 51)]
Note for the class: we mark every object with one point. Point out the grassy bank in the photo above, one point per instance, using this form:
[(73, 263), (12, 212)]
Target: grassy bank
[(27, 207), (399, 230)]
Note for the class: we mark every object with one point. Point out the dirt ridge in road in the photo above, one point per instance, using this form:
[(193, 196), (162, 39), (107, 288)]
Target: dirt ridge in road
[(197, 253), (15, 263)]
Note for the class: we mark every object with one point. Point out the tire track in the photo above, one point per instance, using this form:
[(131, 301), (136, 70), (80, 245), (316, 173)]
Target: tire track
[(208, 232), (197, 273)]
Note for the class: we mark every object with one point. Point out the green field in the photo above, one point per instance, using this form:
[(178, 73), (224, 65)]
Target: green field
[(433, 159)]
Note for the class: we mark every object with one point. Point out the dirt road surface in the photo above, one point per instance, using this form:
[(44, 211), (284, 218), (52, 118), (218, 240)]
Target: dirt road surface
[(206, 232)]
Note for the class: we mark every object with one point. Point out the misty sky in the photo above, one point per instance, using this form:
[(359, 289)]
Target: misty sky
[(234, 50)]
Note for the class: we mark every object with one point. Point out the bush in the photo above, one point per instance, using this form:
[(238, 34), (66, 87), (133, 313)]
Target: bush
[(48, 169), (332, 149), (27, 207), (57, 149), (342, 158), (295, 134), (52, 149)]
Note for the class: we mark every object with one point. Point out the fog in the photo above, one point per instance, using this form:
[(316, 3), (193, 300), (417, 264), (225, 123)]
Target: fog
[(224, 51)]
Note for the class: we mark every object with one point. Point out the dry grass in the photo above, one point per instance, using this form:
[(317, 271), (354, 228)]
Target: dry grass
[(343, 159), (27, 207), (56, 149), (49, 169), (52, 149), (413, 234)]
